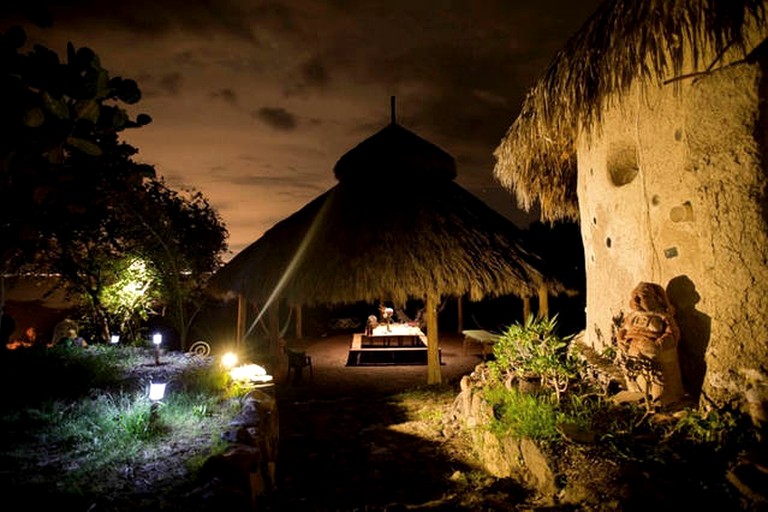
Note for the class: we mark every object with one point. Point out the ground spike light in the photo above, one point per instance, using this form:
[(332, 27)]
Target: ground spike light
[(157, 339), (156, 394)]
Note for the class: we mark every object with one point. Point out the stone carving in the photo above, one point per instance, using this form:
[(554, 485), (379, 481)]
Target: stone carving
[(370, 325), (647, 343)]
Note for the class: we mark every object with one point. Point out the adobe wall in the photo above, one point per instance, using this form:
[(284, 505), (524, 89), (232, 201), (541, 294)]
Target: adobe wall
[(670, 192)]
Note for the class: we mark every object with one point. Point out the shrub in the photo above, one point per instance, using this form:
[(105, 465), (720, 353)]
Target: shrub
[(535, 350)]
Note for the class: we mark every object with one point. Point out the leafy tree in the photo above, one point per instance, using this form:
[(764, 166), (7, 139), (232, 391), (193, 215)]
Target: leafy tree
[(183, 237), (73, 200), (131, 298), (50, 111)]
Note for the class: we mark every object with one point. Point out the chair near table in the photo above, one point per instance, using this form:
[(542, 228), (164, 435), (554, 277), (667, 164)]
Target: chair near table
[(297, 361)]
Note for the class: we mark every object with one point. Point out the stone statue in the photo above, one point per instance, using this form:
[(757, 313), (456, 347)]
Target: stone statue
[(647, 343), (370, 325), (386, 315)]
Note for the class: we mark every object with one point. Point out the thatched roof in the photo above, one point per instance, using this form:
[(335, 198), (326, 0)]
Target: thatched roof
[(623, 41), (385, 234), (396, 154)]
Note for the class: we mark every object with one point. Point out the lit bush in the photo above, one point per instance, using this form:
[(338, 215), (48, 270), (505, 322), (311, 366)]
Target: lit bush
[(535, 350)]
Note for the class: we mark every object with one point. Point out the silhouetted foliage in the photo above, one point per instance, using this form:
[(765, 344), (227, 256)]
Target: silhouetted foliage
[(72, 199), (56, 118)]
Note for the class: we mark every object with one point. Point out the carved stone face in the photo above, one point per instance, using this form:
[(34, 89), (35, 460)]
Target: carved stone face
[(650, 297)]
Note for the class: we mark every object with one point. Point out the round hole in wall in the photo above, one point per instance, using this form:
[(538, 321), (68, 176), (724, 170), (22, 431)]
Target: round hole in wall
[(678, 134), (622, 163), (655, 200), (594, 221), (682, 213), (608, 242)]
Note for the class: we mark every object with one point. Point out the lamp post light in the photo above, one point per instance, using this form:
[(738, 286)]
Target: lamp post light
[(114, 339), (157, 339), (156, 394)]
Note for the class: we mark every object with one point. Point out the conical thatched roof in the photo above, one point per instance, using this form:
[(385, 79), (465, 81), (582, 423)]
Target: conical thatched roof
[(394, 154), (395, 227), (623, 41)]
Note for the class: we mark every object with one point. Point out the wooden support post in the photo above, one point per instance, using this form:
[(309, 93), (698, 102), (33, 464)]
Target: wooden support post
[(526, 309), (460, 314), (543, 302), (434, 375)]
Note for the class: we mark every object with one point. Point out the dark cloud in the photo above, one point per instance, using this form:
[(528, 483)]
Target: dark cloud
[(312, 75), (227, 95), (171, 83), (147, 16), (277, 118), (273, 182), (271, 176), (459, 73)]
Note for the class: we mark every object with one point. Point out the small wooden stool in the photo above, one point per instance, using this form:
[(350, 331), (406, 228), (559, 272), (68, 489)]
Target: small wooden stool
[(297, 361)]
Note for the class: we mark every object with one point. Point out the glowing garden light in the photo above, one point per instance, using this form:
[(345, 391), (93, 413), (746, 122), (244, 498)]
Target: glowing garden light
[(250, 374), (157, 339), (114, 339), (156, 394), (229, 360), (156, 391)]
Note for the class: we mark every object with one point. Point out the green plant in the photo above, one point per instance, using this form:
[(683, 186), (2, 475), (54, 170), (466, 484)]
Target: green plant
[(523, 414), (609, 352), (714, 427), (643, 371), (131, 297), (136, 423), (535, 350)]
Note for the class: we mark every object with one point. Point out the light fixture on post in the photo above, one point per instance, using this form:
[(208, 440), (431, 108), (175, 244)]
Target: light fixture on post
[(157, 339), (156, 394), (114, 339)]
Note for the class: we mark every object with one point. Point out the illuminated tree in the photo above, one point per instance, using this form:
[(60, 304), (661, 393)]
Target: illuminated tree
[(131, 298), (183, 238)]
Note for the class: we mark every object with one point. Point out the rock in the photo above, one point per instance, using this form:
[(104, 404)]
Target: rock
[(625, 397), (751, 482), (576, 433)]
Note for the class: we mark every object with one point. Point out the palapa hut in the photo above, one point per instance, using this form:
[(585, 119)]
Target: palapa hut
[(649, 129), (395, 227)]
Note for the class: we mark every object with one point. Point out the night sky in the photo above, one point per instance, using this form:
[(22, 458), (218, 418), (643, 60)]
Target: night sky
[(254, 102)]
